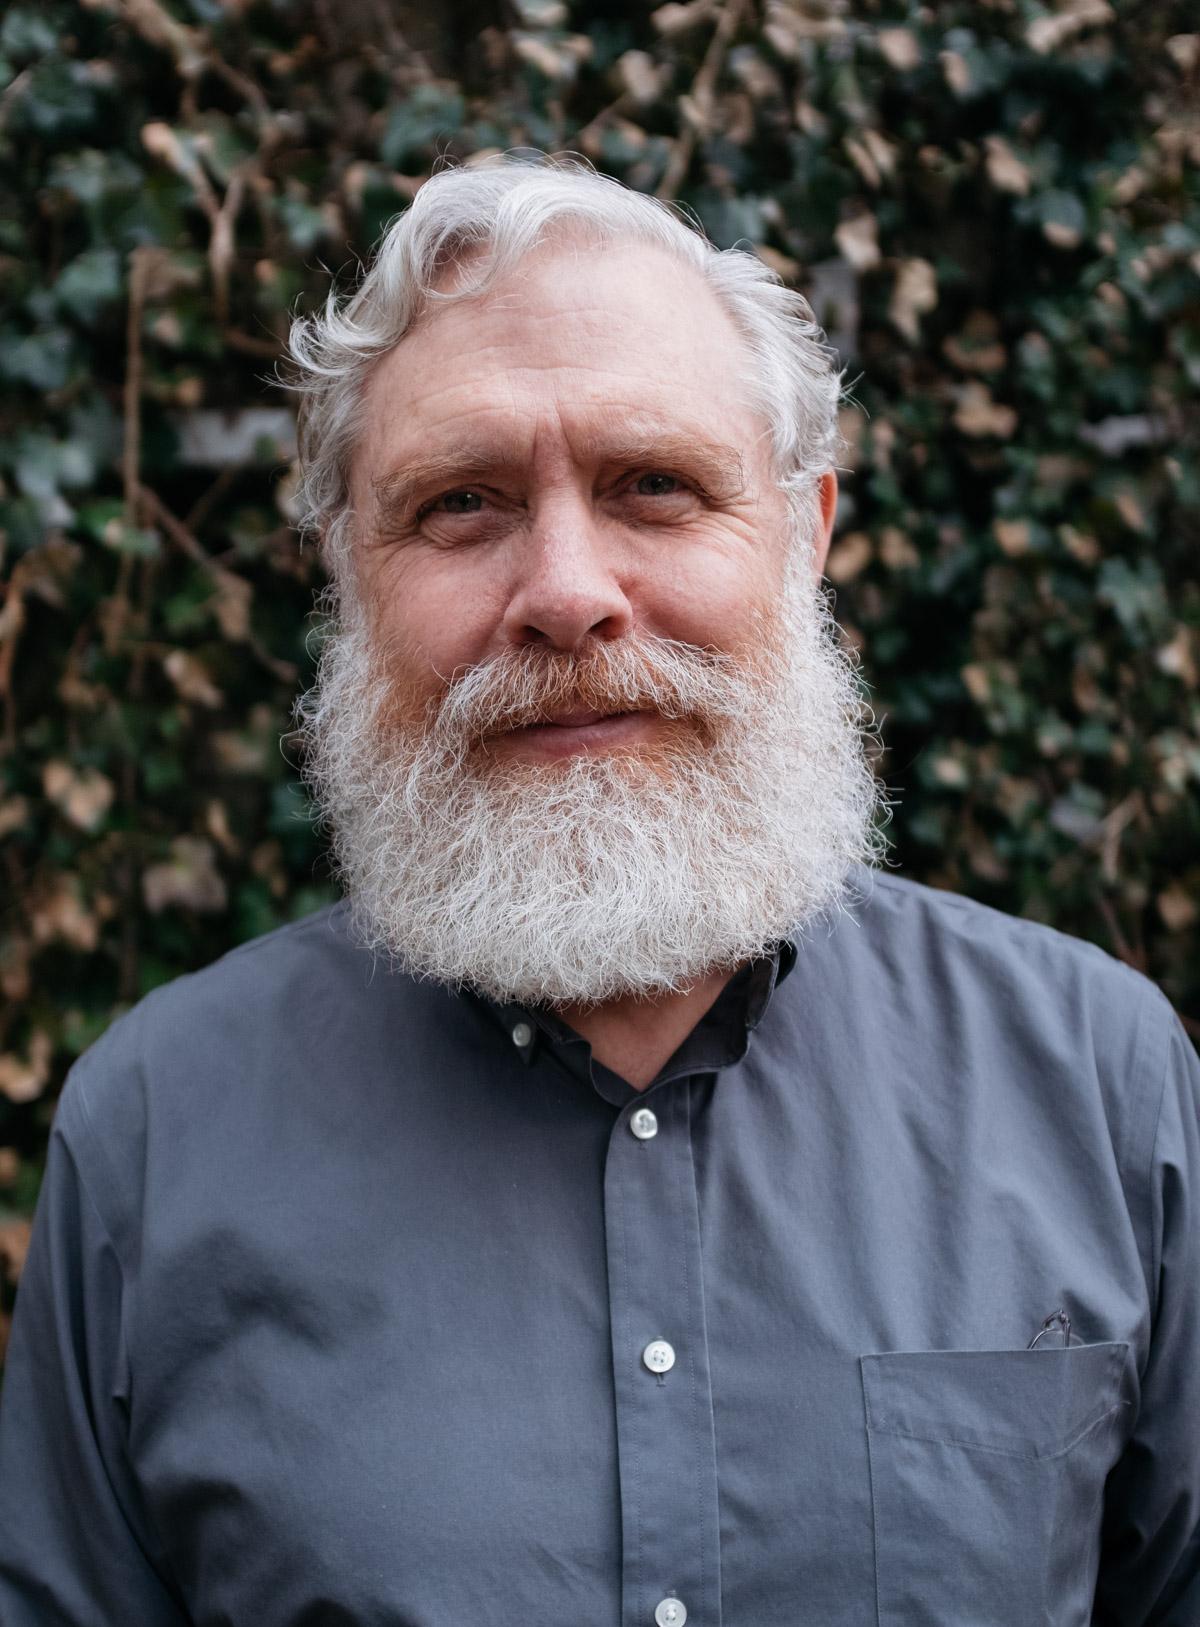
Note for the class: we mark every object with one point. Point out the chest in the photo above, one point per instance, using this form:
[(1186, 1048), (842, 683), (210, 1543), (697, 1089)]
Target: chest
[(404, 1411)]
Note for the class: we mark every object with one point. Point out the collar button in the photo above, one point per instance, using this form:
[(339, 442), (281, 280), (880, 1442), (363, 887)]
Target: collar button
[(644, 1124)]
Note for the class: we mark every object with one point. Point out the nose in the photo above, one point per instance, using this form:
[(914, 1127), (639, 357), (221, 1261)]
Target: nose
[(567, 582)]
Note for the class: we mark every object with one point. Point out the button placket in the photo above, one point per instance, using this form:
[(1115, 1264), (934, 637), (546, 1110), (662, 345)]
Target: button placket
[(662, 1386)]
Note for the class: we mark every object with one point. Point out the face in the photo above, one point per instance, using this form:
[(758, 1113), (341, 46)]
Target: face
[(565, 461), (583, 730)]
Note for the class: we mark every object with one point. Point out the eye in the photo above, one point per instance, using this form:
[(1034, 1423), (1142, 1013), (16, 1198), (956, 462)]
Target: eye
[(657, 484), (464, 501)]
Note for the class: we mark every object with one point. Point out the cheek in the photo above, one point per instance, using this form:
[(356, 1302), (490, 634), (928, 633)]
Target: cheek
[(432, 614), (716, 599)]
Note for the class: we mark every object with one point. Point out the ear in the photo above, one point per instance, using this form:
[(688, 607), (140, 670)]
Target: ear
[(827, 492)]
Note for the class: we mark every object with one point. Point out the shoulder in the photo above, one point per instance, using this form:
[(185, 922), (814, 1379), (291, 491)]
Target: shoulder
[(952, 937), (301, 1017), (965, 980), (248, 990)]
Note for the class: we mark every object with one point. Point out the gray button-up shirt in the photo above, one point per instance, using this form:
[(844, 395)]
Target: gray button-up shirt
[(352, 1300)]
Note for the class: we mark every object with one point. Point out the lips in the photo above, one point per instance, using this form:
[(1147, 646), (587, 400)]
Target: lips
[(581, 717), (578, 730)]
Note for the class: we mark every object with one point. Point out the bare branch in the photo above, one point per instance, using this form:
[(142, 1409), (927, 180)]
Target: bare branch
[(695, 109)]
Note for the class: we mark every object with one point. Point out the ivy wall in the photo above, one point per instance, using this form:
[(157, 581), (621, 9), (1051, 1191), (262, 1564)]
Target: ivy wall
[(994, 206)]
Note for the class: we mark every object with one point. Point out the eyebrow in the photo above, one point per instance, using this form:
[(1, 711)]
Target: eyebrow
[(718, 469)]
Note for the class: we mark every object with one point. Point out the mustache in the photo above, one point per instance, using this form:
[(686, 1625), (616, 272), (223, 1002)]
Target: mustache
[(530, 684)]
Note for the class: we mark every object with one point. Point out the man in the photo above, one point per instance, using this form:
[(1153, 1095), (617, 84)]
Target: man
[(627, 1208)]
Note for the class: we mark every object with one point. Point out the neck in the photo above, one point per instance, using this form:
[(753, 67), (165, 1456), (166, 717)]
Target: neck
[(635, 1035)]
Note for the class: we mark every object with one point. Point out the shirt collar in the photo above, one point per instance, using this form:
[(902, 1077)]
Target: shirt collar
[(720, 1038)]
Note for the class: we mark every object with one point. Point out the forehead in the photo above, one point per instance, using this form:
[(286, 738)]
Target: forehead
[(578, 342)]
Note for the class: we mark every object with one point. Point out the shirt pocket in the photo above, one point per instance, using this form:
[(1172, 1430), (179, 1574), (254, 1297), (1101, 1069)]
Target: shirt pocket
[(987, 1482)]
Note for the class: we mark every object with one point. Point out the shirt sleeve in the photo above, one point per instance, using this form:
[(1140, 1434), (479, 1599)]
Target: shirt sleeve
[(1150, 1565), (75, 1546)]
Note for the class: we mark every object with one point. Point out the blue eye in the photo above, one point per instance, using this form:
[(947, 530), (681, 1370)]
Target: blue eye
[(656, 484)]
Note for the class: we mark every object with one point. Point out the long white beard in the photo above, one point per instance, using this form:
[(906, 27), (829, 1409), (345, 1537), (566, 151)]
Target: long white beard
[(583, 880)]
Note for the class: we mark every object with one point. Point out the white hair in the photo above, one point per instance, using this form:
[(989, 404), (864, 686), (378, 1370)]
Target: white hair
[(479, 222)]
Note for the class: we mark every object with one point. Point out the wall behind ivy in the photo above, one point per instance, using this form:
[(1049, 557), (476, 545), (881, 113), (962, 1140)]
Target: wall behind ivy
[(994, 207)]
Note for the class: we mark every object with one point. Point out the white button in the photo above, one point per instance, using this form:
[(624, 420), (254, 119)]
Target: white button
[(670, 1613), (644, 1125), (522, 1035), (659, 1358)]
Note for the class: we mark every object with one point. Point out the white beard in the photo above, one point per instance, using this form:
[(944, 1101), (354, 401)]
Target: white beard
[(595, 877)]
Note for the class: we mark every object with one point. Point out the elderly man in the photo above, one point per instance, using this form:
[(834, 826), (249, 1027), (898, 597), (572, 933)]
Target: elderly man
[(628, 1207)]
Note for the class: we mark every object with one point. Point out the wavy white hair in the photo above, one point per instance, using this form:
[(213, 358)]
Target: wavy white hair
[(480, 222)]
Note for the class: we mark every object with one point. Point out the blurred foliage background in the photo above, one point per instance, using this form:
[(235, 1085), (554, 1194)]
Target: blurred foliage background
[(993, 206)]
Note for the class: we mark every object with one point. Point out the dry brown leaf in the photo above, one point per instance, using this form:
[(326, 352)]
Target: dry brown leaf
[(1177, 907), (1013, 536), (1005, 170), (23, 1078), (1061, 236), (873, 157), (557, 61), (1128, 186), (165, 274), (977, 678), (810, 119), (1178, 657), (955, 72), (977, 347), (978, 414), (14, 1246), (951, 772), (231, 606), (161, 142), (266, 861), (858, 241), (899, 48), (1045, 34), (757, 77), (191, 679), (1130, 510), (1016, 796), (216, 822), (1184, 50), (1078, 544), (80, 695), (896, 551), (674, 19), (13, 813), (641, 77), (881, 150), (59, 913), (15, 979), (189, 879), (240, 753), (914, 294), (862, 161), (83, 795), (848, 556)]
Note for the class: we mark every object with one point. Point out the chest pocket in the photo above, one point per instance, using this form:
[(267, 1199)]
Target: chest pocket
[(987, 1480)]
